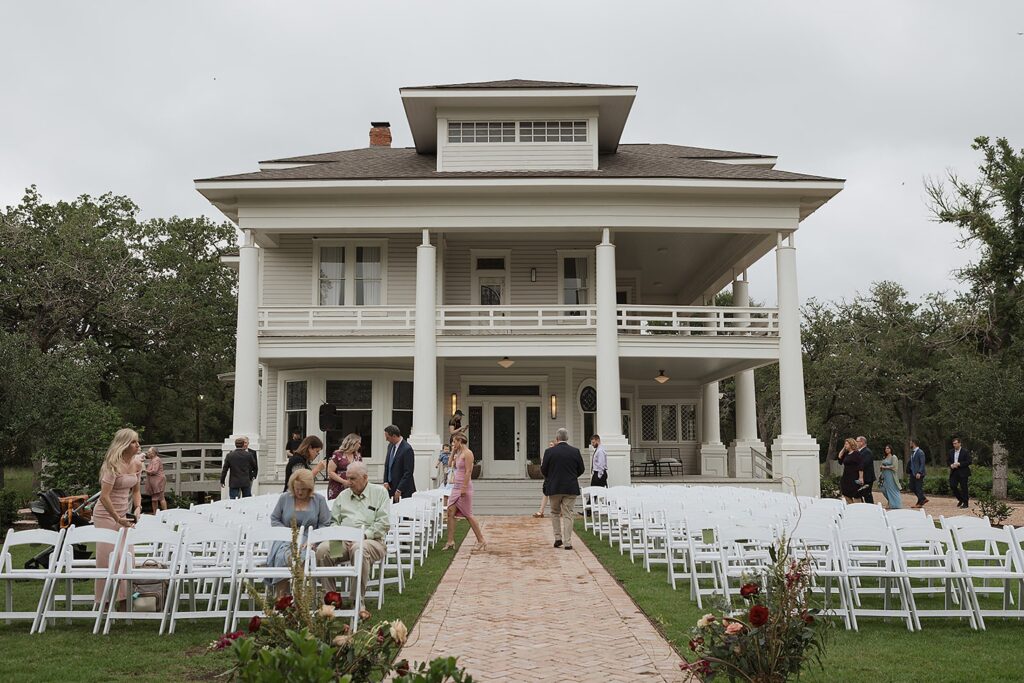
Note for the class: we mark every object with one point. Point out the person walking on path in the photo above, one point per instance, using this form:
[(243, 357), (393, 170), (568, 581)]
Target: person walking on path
[(562, 466), (867, 463), (598, 463), (852, 481), (239, 463), (460, 500), (399, 465), (959, 461), (156, 481), (917, 470), (889, 483)]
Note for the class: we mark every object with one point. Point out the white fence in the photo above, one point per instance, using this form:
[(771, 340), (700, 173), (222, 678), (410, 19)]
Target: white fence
[(372, 319), (191, 467), (518, 319), (732, 321)]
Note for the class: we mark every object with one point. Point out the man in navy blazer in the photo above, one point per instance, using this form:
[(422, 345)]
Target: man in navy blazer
[(398, 465), (916, 470), (959, 461), (562, 466)]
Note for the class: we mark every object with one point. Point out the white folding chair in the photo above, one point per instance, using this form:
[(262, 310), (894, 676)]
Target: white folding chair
[(816, 542), (207, 571), (253, 569), (391, 562), (350, 574), (9, 573), (146, 556), (992, 556), (940, 563), (870, 553), (68, 569)]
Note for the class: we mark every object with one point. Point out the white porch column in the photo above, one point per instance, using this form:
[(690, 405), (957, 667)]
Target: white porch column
[(713, 455), (746, 406), (246, 417), (794, 452), (608, 418), (425, 440)]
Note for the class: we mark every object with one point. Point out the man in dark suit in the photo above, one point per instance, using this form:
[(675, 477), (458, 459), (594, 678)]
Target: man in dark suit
[(562, 466), (237, 463), (255, 462), (867, 460), (916, 469), (959, 461), (398, 465)]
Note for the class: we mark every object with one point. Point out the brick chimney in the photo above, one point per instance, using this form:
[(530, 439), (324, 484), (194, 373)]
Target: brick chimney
[(380, 134)]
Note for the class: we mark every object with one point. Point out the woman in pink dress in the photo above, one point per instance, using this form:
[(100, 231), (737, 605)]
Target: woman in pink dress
[(337, 466), (460, 500), (156, 482), (119, 495)]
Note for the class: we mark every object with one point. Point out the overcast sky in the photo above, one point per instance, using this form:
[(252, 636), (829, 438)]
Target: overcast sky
[(139, 98)]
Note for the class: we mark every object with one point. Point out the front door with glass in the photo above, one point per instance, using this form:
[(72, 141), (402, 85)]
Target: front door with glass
[(507, 434)]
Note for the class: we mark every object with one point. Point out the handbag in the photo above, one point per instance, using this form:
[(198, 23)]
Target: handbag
[(150, 595)]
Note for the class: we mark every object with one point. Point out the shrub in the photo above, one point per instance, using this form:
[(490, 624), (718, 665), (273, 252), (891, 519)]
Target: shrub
[(9, 502), (997, 511), (829, 487)]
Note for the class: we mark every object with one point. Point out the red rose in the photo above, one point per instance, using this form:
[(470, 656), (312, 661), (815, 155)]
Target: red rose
[(807, 617), (333, 598), (236, 635), (758, 615), (380, 635), (284, 602), (254, 624), (402, 668), (702, 666), (696, 642), (749, 590)]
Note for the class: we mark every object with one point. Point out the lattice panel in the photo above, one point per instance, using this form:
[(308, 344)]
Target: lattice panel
[(668, 423), (648, 423), (688, 422)]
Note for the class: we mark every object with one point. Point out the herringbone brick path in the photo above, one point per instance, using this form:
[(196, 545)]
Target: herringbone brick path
[(523, 611)]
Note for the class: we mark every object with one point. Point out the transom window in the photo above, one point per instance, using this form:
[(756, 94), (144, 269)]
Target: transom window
[(350, 274), (668, 422), (517, 131)]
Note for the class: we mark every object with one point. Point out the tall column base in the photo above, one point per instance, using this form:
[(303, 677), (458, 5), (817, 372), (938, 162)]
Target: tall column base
[(425, 447), (255, 444), (740, 458), (616, 447), (714, 459), (795, 461)]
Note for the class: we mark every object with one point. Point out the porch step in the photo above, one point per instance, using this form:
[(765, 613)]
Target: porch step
[(508, 497)]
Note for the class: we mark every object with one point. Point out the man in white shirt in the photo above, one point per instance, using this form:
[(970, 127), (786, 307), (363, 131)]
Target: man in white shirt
[(598, 463)]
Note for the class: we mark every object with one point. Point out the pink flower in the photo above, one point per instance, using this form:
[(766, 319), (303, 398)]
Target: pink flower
[(734, 628)]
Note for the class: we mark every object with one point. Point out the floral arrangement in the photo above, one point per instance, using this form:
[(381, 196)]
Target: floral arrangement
[(772, 638), (298, 639)]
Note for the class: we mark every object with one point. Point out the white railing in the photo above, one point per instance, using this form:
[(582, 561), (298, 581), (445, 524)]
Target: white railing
[(760, 463), (518, 319), (191, 467), (733, 321), (386, 319)]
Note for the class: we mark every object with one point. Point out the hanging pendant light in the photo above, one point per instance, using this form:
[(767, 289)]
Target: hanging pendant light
[(661, 378), (506, 362)]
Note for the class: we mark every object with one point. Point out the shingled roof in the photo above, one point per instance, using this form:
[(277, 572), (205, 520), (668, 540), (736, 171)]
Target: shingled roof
[(513, 83), (631, 161)]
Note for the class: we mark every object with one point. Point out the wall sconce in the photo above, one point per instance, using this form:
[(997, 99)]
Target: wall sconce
[(455, 402), (533, 274), (554, 406)]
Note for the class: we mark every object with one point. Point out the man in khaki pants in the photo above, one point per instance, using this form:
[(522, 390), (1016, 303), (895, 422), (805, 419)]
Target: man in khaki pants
[(562, 466)]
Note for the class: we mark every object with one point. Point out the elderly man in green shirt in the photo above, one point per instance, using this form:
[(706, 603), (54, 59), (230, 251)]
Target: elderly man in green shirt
[(365, 506)]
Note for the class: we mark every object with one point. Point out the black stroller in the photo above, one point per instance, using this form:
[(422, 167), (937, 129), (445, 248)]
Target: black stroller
[(55, 511)]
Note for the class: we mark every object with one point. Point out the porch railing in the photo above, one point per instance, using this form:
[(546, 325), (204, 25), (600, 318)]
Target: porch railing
[(387, 319), (760, 463), (191, 467), (518, 319), (733, 321)]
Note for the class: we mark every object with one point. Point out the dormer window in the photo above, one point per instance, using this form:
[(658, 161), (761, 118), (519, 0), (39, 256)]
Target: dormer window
[(516, 131)]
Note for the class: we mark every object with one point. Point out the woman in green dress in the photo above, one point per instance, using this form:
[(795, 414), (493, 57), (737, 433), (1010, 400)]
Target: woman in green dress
[(890, 485)]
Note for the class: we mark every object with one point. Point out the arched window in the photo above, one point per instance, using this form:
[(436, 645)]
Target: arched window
[(588, 406)]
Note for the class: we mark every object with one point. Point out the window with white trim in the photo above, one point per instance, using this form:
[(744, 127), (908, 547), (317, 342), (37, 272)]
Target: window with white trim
[(481, 131), (295, 407), (350, 273), (552, 131), (666, 422), (588, 406), (460, 132)]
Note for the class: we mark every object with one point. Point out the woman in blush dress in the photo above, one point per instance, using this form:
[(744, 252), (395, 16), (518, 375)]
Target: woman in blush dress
[(852, 481), (347, 453), (460, 500), (119, 496), (890, 485), (156, 482)]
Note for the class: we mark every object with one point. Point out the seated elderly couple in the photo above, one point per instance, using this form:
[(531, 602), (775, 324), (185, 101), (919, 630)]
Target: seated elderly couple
[(362, 505)]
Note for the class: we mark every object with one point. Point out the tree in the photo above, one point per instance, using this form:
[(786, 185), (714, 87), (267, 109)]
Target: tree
[(989, 213)]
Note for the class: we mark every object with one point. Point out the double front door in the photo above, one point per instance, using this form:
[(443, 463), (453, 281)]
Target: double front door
[(504, 434)]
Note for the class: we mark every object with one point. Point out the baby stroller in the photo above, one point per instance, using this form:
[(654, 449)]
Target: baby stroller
[(55, 511)]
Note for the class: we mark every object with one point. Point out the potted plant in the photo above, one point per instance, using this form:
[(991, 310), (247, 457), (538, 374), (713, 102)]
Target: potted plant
[(533, 468)]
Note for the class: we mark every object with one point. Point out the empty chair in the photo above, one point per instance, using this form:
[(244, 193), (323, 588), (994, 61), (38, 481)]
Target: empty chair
[(871, 554), (9, 573), (354, 574), (145, 556), (206, 572), (253, 568), (992, 556), (939, 563)]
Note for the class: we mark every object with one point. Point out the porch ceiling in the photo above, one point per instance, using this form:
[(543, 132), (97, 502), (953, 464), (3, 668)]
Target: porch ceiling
[(685, 370)]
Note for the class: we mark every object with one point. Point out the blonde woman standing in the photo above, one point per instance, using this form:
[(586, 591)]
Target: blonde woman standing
[(337, 466), (460, 500), (119, 495)]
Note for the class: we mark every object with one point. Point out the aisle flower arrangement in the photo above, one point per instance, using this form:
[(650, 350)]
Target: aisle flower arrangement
[(772, 638)]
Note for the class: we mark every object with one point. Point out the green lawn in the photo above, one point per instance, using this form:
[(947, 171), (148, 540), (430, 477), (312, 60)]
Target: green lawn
[(136, 653), (19, 479), (881, 652)]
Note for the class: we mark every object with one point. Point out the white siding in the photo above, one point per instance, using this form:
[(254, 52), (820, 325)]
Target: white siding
[(273, 448), (513, 156)]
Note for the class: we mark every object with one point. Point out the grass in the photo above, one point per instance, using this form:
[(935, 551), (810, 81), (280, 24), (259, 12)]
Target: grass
[(19, 479), (136, 653), (882, 651)]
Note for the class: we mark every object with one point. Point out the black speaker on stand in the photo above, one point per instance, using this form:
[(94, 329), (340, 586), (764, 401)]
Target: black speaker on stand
[(328, 417)]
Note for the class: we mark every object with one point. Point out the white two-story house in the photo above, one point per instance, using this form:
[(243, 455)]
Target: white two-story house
[(522, 265)]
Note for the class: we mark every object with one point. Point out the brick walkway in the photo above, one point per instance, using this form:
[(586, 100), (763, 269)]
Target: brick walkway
[(524, 611)]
